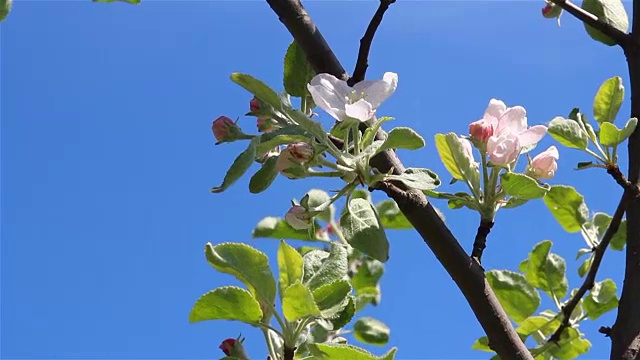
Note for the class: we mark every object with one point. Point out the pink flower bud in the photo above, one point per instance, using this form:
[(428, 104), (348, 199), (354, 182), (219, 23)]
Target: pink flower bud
[(551, 11), (544, 165), (289, 166), (234, 348), (298, 218), (254, 104), (481, 130), (301, 152), (503, 149), (223, 127)]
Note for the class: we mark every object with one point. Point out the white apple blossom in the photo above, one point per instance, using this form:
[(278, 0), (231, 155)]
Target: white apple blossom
[(544, 165), (503, 149), (359, 102)]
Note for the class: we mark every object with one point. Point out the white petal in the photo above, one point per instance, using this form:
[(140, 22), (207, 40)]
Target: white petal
[(360, 110), (376, 92), (329, 93), (532, 135), (513, 120), (495, 109)]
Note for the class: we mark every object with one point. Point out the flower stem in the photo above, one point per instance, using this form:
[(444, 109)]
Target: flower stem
[(485, 175), (325, 173), (267, 338)]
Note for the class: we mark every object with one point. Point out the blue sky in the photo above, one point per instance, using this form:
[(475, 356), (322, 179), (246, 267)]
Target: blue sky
[(108, 158)]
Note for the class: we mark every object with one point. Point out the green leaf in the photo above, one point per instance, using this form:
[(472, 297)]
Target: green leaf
[(5, 8), (417, 178), (277, 228), (297, 71), (370, 134), (367, 295), (362, 229), (314, 198), (333, 268), (402, 138), (540, 324), (298, 302), (610, 135), (343, 351), (601, 299), (332, 298), (620, 238), (568, 133), (454, 158), (514, 202), (611, 12), (313, 261), (594, 229), (290, 265), (247, 264), (570, 346), (522, 186), (584, 268), (518, 298), (264, 177), (611, 93), (371, 331), (482, 344), (344, 317), (240, 165), (368, 274), (282, 136), (546, 271), (567, 207), (226, 303), (361, 194), (257, 88), (391, 217)]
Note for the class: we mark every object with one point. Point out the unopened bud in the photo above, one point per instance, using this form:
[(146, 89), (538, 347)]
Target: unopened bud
[(481, 131), (298, 218), (223, 128)]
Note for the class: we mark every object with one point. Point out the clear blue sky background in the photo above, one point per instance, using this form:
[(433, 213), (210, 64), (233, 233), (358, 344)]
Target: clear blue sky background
[(108, 158)]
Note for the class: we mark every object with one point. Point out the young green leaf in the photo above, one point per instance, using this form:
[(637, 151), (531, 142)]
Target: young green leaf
[(367, 295), (290, 265), (247, 264), (546, 271), (315, 198), (362, 229), (313, 260), (298, 303), (454, 158), (482, 344), (257, 88), (522, 186), (619, 240), (568, 133), (332, 298), (240, 165), (5, 8), (341, 319), (226, 303), (368, 274), (277, 228), (518, 298), (297, 71), (327, 351), (532, 324), (333, 268), (402, 138), (601, 299), (371, 331), (282, 136), (391, 217), (264, 177), (567, 207), (570, 346), (417, 178), (611, 93), (370, 134), (610, 135)]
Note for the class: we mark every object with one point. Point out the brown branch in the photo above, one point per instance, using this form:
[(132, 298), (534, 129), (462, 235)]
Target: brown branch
[(621, 38), (365, 43), (467, 273), (625, 333), (590, 279), (480, 242), (296, 19), (621, 180)]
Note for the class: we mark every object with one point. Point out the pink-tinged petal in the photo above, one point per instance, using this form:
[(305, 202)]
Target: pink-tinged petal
[(360, 110), (376, 92), (513, 120), (532, 135), (495, 109)]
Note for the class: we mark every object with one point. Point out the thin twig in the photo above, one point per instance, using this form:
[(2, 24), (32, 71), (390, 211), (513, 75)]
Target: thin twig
[(590, 279), (365, 43), (480, 242), (621, 38), (621, 180)]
